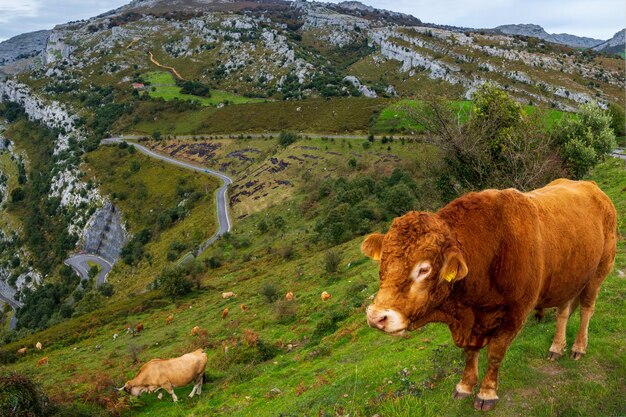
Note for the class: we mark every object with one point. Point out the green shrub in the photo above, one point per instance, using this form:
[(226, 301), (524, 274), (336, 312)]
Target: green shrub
[(21, 397), (270, 292), (332, 259)]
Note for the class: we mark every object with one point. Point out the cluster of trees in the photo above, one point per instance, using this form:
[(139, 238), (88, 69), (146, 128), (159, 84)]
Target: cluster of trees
[(501, 145), (195, 88), (354, 206)]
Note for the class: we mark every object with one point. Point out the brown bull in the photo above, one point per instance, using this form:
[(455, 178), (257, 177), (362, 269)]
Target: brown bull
[(482, 263), (169, 373)]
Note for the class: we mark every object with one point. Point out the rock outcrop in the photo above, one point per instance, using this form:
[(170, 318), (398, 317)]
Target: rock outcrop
[(104, 233), (23, 46)]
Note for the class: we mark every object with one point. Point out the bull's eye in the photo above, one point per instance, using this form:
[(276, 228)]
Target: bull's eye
[(421, 270)]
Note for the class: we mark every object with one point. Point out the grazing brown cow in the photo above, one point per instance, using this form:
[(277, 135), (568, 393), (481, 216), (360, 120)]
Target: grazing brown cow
[(42, 361), (195, 330), (139, 327), (169, 319), (482, 263), (289, 296), (229, 294), (169, 373), (244, 307), (326, 296), (22, 351), (38, 346), (225, 313)]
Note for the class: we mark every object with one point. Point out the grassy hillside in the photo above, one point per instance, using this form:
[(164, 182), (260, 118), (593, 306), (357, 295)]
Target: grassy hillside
[(162, 85), (344, 115), (309, 357), (175, 206)]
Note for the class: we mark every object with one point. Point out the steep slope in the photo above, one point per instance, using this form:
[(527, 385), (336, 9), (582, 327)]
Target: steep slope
[(615, 45)]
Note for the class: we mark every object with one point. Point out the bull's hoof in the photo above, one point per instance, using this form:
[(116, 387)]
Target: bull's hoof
[(484, 405), (553, 356), (460, 395), (577, 355)]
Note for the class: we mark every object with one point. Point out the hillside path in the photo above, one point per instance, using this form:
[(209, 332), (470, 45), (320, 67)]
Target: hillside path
[(155, 62), (220, 197)]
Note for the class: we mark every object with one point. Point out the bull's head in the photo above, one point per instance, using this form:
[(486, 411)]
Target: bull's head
[(419, 261), (132, 390)]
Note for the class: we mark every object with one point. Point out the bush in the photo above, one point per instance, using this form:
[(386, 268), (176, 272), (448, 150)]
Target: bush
[(286, 139), (499, 145), (21, 396), (585, 140), (286, 311), (270, 292), (332, 259), (173, 282), (91, 301)]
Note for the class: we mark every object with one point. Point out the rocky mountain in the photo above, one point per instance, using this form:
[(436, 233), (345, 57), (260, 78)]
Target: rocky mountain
[(277, 49), (539, 32), (615, 45), (19, 52)]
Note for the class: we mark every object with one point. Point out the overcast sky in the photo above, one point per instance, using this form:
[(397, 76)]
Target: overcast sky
[(594, 18)]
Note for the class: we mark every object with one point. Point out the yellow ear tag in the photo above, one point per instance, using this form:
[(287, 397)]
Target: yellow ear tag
[(450, 276)]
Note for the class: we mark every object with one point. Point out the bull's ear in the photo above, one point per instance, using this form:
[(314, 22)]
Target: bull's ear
[(454, 266), (372, 246)]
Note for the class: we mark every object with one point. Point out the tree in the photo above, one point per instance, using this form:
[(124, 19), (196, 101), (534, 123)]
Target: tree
[(498, 146), (91, 301), (286, 138), (585, 139), (618, 122), (173, 282)]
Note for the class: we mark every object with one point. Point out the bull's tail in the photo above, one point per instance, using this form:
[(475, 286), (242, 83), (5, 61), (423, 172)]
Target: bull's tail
[(203, 378)]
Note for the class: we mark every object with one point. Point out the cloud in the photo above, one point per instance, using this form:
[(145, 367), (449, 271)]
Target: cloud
[(12, 11)]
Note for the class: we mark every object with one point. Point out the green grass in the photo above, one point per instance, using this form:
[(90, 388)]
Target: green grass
[(342, 115), (395, 119), (164, 86), (351, 369)]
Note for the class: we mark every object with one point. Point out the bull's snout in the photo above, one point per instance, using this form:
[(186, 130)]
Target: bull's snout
[(385, 319), (377, 318)]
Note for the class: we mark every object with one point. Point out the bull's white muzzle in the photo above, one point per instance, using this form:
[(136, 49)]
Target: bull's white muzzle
[(385, 319)]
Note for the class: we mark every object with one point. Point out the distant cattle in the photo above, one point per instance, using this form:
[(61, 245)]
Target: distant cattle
[(483, 262), (42, 361), (244, 307), (115, 336), (139, 328), (225, 313), (38, 346), (169, 373), (326, 296), (195, 330), (289, 296), (169, 319), (229, 294), (22, 351)]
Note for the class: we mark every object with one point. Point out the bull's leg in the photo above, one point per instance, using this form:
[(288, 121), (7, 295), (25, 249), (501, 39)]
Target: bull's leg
[(193, 390), (470, 375), (588, 301), (559, 343), (170, 390), (496, 349)]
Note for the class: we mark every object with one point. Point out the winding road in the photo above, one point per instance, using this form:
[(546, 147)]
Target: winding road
[(80, 265), (220, 197), (15, 305)]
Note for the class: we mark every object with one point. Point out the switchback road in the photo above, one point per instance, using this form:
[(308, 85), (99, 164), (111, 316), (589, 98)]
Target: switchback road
[(221, 202)]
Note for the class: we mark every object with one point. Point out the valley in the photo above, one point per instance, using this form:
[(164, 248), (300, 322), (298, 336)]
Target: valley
[(157, 157)]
